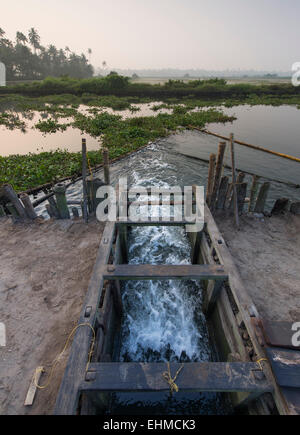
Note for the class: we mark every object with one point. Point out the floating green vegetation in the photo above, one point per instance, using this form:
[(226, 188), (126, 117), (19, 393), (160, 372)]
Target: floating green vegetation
[(12, 121), (51, 126), (120, 136), (31, 170)]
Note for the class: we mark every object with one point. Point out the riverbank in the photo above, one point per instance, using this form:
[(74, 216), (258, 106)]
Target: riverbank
[(266, 251), (45, 272)]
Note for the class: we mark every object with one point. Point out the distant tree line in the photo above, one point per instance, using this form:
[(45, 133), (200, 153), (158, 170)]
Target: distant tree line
[(26, 59)]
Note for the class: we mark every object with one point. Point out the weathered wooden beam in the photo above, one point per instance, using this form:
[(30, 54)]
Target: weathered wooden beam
[(154, 223), (241, 196), (67, 399), (209, 377), (210, 179), (2, 211), (222, 193), (61, 201), (262, 198), (253, 193), (84, 185), (123, 242), (246, 307), (235, 203), (218, 174), (10, 195), (106, 166), (212, 295), (280, 206), (29, 209), (138, 272), (295, 208)]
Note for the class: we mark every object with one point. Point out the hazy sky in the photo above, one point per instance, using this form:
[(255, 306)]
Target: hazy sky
[(218, 34)]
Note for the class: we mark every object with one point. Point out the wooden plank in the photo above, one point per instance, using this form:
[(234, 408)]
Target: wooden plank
[(209, 376), (292, 397), (262, 198), (210, 178), (235, 203), (222, 193), (241, 196), (279, 334), (211, 297), (280, 206), (218, 174), (246, 307), (154, 223), (286, 366), (253, 192), (67, 399), (32, 389), (139, 272)]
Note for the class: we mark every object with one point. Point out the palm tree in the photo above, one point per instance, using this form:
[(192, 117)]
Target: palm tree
[(90, 54), (34, 39), (21, 38)]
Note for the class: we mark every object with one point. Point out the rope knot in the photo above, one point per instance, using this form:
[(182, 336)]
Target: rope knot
[(171, 381)]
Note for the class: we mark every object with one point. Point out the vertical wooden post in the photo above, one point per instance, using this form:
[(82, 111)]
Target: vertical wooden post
[(61, 201), (241, 196), (84, 185), (253, 193), (218, 174), (2, 211), (12, 210), (106, 166), (75, 212), (222, 193), (262, 197), (93, 185), (235, 204), (53, 210), (8, 192), (29, 209), (123, 243), (211, 176)]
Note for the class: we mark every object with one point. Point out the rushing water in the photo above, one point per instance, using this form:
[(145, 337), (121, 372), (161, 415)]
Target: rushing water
[(163, 321)]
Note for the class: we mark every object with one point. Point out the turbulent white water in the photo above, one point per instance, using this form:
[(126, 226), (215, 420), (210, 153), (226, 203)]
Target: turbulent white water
[(163, 319)]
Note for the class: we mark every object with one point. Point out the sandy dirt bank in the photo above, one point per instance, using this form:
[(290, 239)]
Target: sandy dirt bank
[(266, 252), (44, 275)]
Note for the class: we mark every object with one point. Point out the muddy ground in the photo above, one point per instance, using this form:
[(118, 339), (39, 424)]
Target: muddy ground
[(266, 252), (44, 275)]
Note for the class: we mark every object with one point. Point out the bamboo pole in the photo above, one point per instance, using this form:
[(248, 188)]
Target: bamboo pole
[(106, 166), (218, 173), (235, 204), (211, 175), (84, 185), (255, 147)]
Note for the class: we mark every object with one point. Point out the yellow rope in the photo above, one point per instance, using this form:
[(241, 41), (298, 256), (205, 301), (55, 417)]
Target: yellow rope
[(58, 358), (171, 381), (260, 361)]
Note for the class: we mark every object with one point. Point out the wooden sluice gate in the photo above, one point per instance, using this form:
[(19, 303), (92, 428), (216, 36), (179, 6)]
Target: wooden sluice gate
[(259, 367), (93, 370)]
